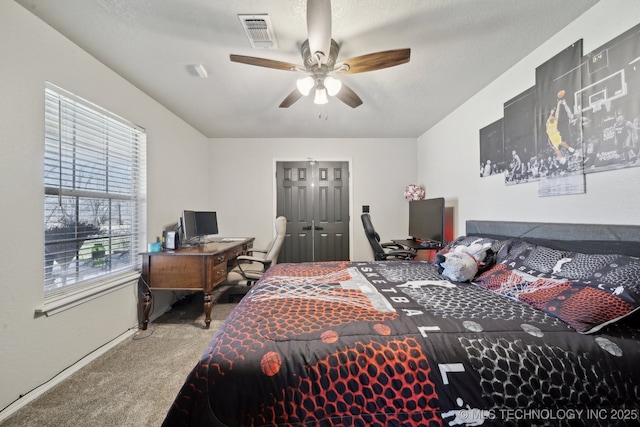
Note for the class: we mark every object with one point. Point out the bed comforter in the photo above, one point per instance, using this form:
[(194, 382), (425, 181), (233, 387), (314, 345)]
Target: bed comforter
[(395, 344)]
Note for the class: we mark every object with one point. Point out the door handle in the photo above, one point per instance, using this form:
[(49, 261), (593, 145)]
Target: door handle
[(308, 227)]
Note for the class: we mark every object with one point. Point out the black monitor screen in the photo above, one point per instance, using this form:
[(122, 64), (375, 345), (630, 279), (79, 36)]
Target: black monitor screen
[(198, 223), (426, 219), (206, 223)]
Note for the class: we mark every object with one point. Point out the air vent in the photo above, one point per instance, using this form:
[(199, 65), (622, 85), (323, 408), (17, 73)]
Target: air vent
[(259, 31)]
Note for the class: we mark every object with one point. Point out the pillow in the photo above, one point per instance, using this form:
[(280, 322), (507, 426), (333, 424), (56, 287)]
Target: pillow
[(586, 291)]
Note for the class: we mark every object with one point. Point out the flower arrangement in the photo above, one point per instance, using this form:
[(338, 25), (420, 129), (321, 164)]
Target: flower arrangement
[(414, 192)]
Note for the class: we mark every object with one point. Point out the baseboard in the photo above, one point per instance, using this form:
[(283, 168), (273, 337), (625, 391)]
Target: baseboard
[(39, 391)]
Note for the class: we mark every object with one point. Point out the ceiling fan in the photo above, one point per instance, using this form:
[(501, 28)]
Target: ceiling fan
[(319, 54)]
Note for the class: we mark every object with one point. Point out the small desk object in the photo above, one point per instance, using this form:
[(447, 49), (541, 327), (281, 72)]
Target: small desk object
[(417, 245), (197, 268), (426, 245)]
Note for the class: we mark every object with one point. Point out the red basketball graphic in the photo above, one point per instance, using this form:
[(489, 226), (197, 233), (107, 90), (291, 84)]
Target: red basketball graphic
[(329, 336), (561, 94), (382, 329), (271, 363)]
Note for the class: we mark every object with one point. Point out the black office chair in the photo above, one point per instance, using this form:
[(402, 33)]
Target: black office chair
[(383, 251)]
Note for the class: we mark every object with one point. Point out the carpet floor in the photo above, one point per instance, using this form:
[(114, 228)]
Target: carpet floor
[(134, 383)]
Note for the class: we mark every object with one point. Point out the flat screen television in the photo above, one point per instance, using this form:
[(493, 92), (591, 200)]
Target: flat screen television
[(196, 224), (426, 220)]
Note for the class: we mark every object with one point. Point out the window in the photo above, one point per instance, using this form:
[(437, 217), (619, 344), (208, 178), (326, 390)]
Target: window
[(94, 196)]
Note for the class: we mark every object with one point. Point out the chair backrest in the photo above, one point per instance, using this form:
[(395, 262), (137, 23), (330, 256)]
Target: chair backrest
[(372, 236), (276, 244)]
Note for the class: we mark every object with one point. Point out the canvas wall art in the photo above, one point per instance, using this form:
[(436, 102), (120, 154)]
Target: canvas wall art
[(609, 102), (520, 146), (491, 149)]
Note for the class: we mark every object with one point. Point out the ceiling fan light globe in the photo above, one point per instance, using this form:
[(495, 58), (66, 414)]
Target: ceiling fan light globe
[(305, 85), (333, 85), (321, 96)]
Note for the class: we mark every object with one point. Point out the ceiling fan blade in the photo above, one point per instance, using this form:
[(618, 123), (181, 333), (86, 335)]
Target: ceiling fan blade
[(291, 99), (262, 62), (319, 27), (348, 96), (373, 61)]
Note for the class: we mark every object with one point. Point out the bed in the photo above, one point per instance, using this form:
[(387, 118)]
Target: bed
[(549, 334)]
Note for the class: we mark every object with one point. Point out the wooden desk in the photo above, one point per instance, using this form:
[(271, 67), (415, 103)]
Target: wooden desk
[(198, 268)]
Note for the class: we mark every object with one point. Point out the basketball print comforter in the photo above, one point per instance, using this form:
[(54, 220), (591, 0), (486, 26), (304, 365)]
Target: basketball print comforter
[(395, 344)]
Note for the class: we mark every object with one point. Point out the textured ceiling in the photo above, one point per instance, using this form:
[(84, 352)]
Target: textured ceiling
[(457, 47)]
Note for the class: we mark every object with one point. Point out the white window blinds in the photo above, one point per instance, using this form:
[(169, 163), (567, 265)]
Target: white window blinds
[(94, 194)]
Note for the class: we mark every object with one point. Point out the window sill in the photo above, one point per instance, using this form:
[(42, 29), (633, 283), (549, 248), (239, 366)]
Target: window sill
[(64, 302)]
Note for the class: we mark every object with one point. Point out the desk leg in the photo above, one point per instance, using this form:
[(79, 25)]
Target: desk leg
[(208, 302), (146, 309)]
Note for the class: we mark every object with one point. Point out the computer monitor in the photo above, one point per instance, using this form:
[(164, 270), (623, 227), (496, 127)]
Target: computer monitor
[(196, 224), (426, 220), (188, 225), (206, 223)]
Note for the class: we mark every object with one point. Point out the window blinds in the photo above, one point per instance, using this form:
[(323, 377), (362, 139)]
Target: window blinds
[(94, 193)]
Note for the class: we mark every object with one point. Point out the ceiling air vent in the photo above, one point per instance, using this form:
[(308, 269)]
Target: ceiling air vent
[(259, 31)]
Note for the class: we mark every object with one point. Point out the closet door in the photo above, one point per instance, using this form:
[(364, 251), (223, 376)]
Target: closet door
[(314, 197)]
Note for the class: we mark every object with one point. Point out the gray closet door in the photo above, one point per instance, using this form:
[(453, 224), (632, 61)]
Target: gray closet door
[(314, 197)]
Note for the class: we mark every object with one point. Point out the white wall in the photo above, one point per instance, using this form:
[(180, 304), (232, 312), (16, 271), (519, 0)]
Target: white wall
[(244, 193), (34, 349), (449, 152)]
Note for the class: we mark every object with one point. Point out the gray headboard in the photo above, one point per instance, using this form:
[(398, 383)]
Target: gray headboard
[(590, 238)]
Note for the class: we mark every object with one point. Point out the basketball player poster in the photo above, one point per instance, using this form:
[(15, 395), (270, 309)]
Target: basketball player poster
[(610, 105), (558, 126), (521, 160), (491, 149)]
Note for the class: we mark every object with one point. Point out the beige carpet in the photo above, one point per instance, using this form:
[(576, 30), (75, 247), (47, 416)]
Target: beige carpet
[(134, 383)]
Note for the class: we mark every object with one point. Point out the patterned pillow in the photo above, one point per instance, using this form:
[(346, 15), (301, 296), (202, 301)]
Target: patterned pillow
[(586, 291)]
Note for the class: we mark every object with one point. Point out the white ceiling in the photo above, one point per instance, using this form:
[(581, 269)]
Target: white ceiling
[(457, 47)]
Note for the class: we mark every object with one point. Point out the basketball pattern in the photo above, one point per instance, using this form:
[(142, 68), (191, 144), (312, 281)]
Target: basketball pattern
[(271, 363), (586, 291), (357, 384), (312, 344)]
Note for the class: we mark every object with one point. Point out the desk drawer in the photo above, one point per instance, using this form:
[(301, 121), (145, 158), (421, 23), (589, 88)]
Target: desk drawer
[(235, 252), (219, 273), (220, 258)]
